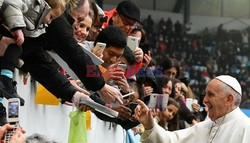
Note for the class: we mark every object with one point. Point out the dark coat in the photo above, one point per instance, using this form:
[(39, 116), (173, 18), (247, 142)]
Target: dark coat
[(60, 38)]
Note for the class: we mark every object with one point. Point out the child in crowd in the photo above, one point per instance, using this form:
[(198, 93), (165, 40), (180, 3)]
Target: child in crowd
[(167, 118), (169, 114), (165, 85), (184, 113), (23, 19)]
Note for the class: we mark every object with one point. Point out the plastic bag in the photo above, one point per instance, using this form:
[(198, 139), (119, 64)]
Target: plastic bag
[(77, 130)]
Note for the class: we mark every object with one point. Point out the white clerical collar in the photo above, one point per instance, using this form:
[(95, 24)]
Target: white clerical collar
[(228, 116)]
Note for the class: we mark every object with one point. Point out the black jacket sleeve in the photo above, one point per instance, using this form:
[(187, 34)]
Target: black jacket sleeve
[(59, 37)]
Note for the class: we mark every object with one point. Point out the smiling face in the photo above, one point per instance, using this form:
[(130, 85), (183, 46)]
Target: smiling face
[(217, 100), (83, 31)]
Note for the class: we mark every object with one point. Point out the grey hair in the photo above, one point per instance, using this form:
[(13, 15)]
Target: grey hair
[(230, 90), (75, 4), (38, 138)]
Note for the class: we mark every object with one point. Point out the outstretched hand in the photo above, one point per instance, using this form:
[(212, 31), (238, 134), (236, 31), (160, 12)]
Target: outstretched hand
[(110, 94), (143, 115)]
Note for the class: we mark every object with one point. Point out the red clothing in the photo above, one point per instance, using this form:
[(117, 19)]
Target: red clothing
[(132, 70), (109, 15)]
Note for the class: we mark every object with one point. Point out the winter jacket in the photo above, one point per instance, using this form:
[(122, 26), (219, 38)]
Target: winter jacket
[(26, 14)]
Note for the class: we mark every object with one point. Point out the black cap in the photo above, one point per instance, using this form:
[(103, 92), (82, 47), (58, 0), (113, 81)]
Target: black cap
[(129, 9)]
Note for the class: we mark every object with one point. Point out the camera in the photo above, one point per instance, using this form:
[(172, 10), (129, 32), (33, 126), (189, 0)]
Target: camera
[(13, 110), (13, 107)]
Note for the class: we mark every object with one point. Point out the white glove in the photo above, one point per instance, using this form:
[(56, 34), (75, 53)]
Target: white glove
[(77, 97)]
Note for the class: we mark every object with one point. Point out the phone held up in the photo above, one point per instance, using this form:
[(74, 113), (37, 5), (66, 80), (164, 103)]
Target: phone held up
[(133, 42), (158, 101), (124, 66), (13, 109), (99, 46)]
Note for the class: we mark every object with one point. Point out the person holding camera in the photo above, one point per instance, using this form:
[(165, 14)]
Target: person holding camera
[(17, 137)]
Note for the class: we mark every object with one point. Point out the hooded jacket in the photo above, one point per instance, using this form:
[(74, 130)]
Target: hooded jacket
[(25, 14)]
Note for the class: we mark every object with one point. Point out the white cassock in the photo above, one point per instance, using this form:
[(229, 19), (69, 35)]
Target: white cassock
[(231, 128)]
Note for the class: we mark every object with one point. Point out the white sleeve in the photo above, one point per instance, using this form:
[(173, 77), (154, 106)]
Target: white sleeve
[(155, 135)]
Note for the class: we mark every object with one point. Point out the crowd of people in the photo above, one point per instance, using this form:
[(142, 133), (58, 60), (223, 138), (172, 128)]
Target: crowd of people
[(173, 65), (202, 55)]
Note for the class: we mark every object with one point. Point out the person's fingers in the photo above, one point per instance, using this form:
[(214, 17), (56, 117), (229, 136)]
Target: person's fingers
[(149, 53), (120, 82), (18, 132), (116, 64), (126, 103), (19, 41), (6, 127), (22, 130), (119, 100), (84, 108), (11, 40), (142, 104), (118, 73), (126, 109), (146, 57), (78, 88)]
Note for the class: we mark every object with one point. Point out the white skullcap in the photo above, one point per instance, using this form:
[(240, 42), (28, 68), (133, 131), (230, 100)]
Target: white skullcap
[(230, 81)]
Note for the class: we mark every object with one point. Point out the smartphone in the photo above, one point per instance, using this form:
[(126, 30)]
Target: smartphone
[(189, 102), (13, 110), (152, 101), (124, 66), (158, 101), (132, 106), (100, 46), (195, 101), (165, 98), (133, 42)]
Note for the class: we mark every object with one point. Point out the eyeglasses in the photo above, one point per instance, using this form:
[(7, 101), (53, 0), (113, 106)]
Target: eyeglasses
[(125, 22)]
